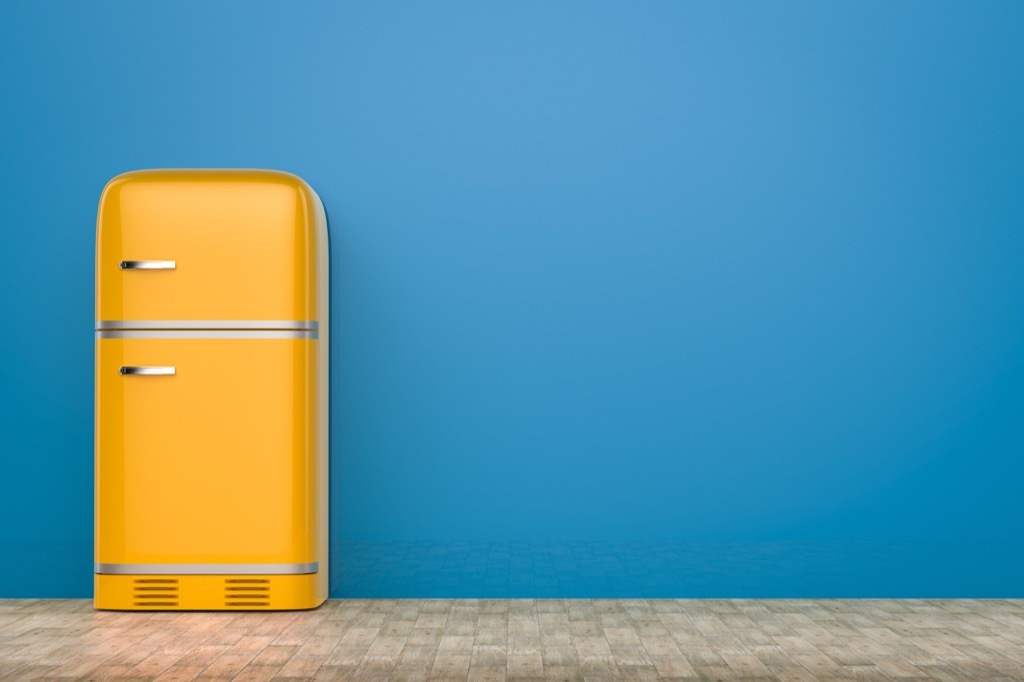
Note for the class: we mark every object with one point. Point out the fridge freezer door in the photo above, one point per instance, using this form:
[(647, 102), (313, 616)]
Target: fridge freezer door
[(209, 245), (206, 454)]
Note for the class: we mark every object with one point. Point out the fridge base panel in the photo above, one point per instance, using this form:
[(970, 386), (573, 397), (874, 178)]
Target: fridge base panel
[(209, 592)]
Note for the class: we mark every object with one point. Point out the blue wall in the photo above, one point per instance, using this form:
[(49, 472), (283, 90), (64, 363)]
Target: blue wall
[(660, 298)]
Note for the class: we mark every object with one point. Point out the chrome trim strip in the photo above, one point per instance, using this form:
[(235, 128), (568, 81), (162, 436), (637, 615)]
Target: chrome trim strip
[(207, 324), (207, 569), (205, 334), (135, 370), (147, 265)]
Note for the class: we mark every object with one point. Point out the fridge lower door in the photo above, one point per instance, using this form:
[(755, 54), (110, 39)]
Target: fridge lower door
[(206, 456)]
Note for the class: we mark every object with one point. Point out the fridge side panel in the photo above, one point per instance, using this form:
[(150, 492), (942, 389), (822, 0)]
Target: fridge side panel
[(323, 381)]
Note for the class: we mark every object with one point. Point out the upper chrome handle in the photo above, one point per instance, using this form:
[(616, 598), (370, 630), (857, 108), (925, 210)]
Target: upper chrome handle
[(146, 371), (148, 265)]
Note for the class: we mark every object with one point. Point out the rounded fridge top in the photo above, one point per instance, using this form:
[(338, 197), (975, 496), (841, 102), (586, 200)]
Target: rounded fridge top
[(210, 245)]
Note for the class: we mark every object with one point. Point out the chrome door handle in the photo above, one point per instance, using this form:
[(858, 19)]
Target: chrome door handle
[(148, 265), (129, 370)]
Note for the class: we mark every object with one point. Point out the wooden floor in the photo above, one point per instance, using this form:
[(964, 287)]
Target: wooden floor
[(523, 639)]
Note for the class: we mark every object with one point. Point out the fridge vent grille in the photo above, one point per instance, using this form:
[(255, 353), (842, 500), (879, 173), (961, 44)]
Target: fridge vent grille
[(155, 592), (246, 592)]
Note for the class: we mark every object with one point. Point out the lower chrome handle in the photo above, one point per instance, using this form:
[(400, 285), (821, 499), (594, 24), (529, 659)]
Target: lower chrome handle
[(129, 370)]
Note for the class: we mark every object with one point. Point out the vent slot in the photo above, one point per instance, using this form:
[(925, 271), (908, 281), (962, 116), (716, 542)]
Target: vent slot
[(155, 592), (246, 592)]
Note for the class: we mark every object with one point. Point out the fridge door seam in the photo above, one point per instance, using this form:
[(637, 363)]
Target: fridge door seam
[(206, 334), (208, 324)]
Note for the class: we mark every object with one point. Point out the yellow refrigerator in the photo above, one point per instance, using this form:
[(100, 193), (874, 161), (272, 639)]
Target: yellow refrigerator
[(211, 392)]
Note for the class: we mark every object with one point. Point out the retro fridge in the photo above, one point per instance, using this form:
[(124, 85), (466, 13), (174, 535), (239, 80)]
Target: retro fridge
[(211, 392)]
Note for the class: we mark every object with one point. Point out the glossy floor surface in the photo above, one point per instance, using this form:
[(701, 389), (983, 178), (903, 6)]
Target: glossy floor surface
[(523, 639)]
